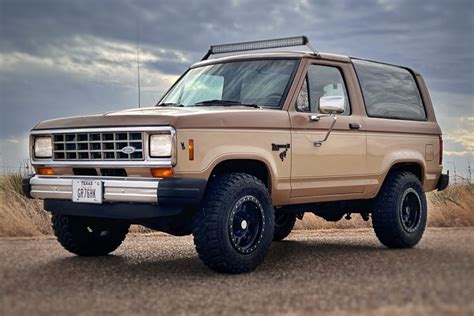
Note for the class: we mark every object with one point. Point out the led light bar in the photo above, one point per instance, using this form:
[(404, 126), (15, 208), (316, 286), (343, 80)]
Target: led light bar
[(257, 45)]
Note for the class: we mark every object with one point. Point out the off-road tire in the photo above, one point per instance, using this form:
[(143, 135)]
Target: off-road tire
[(214, 223), (85, 236), (284, 223), (387, 216)]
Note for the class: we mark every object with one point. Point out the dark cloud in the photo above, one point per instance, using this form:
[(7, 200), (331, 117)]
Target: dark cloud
[(423, 34), (66, 45)]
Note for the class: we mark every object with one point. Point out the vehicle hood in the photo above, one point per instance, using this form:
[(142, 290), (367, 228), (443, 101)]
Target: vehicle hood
[(188, 117)]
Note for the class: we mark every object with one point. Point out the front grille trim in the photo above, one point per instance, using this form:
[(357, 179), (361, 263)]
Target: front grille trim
[(98, 145)]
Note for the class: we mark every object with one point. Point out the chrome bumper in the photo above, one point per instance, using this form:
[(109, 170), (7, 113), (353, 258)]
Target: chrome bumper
[(114, 190)]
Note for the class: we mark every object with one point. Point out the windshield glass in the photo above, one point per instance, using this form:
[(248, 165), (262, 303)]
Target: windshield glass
[(256, 82)]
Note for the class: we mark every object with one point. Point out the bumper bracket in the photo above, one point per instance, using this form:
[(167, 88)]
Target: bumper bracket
[(443, 182)]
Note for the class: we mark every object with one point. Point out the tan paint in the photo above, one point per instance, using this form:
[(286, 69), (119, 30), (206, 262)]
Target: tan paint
[(197, 117), (387, 149), (212, 146), (333, 169), (352, 164)]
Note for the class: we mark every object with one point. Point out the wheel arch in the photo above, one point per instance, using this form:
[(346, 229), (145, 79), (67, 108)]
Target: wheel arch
[(256, 167), (414, 166)]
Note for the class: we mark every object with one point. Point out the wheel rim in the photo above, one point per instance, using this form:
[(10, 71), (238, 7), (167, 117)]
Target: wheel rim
[(410, 212), (247, 222)]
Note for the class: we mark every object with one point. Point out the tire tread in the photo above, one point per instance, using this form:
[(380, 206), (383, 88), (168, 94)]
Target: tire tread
[(68, 236), (385, 217), (208, 245)]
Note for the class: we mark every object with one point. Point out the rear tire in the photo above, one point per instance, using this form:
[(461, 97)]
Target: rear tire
[(85, 236), (400, 211), (233, 230), (284, 223)]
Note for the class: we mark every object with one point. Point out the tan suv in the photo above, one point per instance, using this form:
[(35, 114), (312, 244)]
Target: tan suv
[(242, 146)]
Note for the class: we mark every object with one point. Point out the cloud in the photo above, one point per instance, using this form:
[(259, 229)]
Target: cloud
[(14, 153), (62, 58), (95, 58), (463, 133), (459, 153), (79, 75)]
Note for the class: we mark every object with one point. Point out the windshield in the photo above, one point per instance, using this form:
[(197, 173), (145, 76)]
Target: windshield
[(257, 82)]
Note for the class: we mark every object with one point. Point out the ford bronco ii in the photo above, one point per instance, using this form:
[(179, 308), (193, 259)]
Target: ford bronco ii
[(239, 148)]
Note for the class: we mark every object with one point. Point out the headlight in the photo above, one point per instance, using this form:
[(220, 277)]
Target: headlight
[(161, 145), (43, 147)]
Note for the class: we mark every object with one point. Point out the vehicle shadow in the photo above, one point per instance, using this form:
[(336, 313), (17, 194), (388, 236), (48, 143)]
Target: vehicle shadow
[(283, 257)]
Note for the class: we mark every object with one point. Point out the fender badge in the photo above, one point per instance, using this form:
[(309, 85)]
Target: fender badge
[(277, 147)]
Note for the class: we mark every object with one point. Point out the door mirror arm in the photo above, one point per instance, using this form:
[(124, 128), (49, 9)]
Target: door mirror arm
[(329, 106), (318, 143)]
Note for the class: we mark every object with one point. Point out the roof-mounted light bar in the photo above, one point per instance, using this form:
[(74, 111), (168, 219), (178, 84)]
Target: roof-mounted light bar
[(257, 45)]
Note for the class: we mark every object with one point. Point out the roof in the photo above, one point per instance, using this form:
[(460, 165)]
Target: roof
[(292, 54), (279, 54)]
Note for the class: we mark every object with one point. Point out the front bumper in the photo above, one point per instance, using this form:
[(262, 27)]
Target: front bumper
[(42, 187), (149, 197)]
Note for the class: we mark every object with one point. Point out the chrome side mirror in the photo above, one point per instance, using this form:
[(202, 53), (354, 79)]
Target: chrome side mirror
[(328, 106), (332, 105)]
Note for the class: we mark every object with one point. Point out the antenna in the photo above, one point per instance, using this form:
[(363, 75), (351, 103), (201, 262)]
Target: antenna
[(138, 62)]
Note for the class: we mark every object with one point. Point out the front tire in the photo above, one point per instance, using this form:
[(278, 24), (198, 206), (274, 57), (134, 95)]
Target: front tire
[(400, 211), (234, 229), (85, 236)]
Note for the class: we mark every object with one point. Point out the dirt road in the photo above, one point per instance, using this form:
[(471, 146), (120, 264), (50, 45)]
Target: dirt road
[(330, 272)]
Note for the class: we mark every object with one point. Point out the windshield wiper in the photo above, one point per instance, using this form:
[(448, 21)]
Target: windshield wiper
[(225, 103), (171, 104)]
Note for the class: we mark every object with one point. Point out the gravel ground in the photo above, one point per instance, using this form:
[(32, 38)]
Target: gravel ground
[(343, 272)]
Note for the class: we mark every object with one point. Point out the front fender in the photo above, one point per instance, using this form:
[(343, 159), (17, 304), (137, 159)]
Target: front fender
[(212, 147)]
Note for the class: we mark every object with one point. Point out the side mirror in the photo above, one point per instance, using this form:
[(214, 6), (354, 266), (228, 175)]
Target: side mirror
[(328, 106), (332, 105)]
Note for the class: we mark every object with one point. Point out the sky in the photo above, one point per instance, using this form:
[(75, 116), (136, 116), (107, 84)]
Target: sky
[(63, 58)]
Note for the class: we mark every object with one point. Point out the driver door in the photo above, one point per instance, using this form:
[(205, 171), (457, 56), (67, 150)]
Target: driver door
[(334, 170)]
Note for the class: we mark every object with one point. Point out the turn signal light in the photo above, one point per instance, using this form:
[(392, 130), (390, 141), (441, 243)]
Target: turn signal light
[(191, 149), (162, 172), (45, 171)]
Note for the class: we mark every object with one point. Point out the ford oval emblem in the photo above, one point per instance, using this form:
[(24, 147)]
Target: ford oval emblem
[(128, 150)]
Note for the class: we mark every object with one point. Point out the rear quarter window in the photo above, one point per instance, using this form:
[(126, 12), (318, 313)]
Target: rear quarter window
[(389, 91)]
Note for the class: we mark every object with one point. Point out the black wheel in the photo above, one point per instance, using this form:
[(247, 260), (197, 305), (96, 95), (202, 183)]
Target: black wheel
[(400, 212), (86, 236), (284, 223), (234, 228)]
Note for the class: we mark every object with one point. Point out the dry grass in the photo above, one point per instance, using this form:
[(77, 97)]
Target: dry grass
[(453, 207), (20, 216)]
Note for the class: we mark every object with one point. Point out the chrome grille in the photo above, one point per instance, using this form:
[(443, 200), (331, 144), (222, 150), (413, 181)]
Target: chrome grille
[(98, 146)]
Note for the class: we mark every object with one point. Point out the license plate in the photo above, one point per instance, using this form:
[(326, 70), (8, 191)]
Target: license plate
[(87, 191)]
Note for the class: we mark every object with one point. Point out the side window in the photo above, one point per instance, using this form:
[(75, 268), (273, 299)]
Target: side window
[(389, 91), (302, 102), (321, 81)]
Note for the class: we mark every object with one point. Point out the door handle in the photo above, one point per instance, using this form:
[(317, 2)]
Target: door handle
[(354, 125)]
